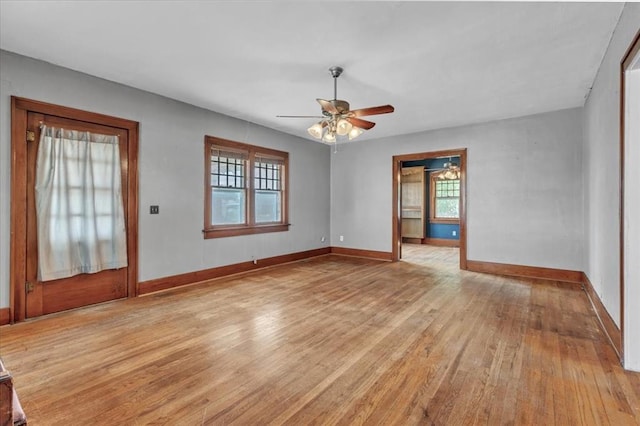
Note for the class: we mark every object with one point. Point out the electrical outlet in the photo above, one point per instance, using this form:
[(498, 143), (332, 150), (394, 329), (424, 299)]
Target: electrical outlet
[(341, 237), (154, 210), (454, 233), (323, 239)]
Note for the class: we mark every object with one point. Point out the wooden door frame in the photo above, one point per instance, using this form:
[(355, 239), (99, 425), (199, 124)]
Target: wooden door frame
[(395, 199), (625, 63), (20, 107)]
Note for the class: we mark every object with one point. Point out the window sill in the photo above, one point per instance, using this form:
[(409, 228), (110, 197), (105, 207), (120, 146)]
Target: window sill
[(243, 230), (444, 221)]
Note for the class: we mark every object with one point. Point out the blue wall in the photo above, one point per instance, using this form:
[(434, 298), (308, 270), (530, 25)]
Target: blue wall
[(443, 230), (436, 230)]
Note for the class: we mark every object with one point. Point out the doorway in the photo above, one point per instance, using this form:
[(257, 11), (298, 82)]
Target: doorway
[(397, 198), (630, 206), (29, 296)]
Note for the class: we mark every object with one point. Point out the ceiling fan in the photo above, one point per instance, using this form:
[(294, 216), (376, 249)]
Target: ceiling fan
[(337, 119), (449, 170)]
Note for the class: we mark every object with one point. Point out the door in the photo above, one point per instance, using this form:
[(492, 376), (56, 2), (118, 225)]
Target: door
[(80, 290)]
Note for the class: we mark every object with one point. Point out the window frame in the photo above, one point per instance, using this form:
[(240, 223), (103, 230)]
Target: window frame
[(250, 226), (433, 176)]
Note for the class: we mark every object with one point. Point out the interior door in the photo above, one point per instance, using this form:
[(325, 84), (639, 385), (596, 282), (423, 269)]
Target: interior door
[(80, 290)]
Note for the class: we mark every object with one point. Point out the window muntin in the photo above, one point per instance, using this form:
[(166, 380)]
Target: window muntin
[(445, 199), (246, 189)]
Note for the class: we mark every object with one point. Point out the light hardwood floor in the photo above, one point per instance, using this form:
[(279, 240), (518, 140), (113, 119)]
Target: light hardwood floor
[(330, 340)]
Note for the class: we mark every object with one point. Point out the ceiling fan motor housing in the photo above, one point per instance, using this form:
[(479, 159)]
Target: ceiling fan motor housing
[(341, 106)]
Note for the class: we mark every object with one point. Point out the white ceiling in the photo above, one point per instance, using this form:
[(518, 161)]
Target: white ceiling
[(440, 64)]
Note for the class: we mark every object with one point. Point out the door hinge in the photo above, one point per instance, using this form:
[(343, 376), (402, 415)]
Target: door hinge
[(29, 287), (31, 136)]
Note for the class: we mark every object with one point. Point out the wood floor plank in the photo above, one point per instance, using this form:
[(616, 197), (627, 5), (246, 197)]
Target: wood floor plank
[(331, 340)]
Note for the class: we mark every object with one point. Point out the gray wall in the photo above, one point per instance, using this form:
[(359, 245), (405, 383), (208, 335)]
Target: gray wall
[(524, 189), (602, 169), (171, 171)]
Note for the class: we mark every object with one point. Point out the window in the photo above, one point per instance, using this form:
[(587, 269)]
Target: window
[(445, 200), (245, 189)]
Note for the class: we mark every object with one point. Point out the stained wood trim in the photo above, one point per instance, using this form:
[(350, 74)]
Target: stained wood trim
[(179, 280), (18, 245), (20, 107), (442, 242), (244, 230), (564, 275), (444, 221), (412, 240), (372, 254), (396, 209), (606, 322), (631, 52), (5, 316), (396, 225)]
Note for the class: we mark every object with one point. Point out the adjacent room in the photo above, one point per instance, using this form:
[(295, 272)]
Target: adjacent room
[(277, 212)]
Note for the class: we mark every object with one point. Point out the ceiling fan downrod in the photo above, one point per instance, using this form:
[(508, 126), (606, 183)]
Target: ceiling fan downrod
[(335, 73)]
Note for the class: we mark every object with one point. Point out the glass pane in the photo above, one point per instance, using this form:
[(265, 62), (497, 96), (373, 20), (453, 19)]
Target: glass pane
[(447, 208), (227, 206), (268, 206)]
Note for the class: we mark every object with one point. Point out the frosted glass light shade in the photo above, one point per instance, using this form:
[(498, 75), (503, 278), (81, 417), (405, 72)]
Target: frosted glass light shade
[(315, 130), (343, 127), (329, 137), (355, 132)]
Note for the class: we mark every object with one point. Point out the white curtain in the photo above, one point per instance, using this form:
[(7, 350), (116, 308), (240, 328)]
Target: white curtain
[(79, 208)]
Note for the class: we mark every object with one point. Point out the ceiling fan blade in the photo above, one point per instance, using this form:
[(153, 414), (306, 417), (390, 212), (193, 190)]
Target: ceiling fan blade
[(363, 124), (328, 106), (382, 109), (300, 116)]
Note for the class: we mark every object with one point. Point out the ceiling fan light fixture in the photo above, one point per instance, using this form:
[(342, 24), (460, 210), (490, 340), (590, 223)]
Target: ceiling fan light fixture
[(316, 130), (451, 174), (355, 132), (338, 117), (343, 127)]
